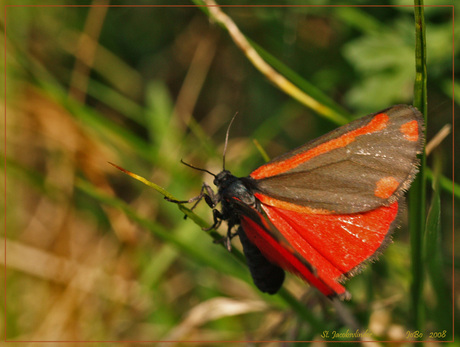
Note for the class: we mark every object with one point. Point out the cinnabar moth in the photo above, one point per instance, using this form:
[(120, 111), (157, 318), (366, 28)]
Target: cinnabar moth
[(325, 208)]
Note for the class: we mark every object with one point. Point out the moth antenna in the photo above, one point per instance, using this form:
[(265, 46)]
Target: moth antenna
[(197, 168), (226, 140)]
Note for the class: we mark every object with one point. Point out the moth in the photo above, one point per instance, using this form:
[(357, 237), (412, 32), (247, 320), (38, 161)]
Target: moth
[(323, 209)]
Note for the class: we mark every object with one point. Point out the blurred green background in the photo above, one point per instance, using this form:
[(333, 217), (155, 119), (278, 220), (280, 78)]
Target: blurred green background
[(94, 255)]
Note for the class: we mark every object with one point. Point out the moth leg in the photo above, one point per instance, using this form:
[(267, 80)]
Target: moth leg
[(206, 192), (209, 196), (218, 218), (226, 240), (204, 189), (229, 237)]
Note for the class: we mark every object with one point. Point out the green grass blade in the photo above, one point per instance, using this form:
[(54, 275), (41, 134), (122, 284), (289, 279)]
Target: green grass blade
[(442, 313), (279, 74), (189, 213), (162, 233), (417, 196), (332, 111), (445, 183)]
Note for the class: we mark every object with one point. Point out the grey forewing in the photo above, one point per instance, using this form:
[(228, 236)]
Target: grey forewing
[(344, 179)]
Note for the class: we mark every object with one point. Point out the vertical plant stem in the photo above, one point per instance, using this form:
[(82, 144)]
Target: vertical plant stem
[(417, 198)]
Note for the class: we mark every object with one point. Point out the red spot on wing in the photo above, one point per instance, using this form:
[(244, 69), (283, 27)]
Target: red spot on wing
[(267, 200), (379, 122), (385, 187), (333, 244), (410, 130)]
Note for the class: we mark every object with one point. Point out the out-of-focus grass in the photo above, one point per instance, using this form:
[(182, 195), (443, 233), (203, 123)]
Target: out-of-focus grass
[(95, 255), (417, 198)]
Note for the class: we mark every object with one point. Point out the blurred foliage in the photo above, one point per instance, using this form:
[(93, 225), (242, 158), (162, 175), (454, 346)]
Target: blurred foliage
[(94, 255)]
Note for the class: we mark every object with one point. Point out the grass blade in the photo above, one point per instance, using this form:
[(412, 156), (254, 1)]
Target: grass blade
[(417, 196), (442, 313)]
